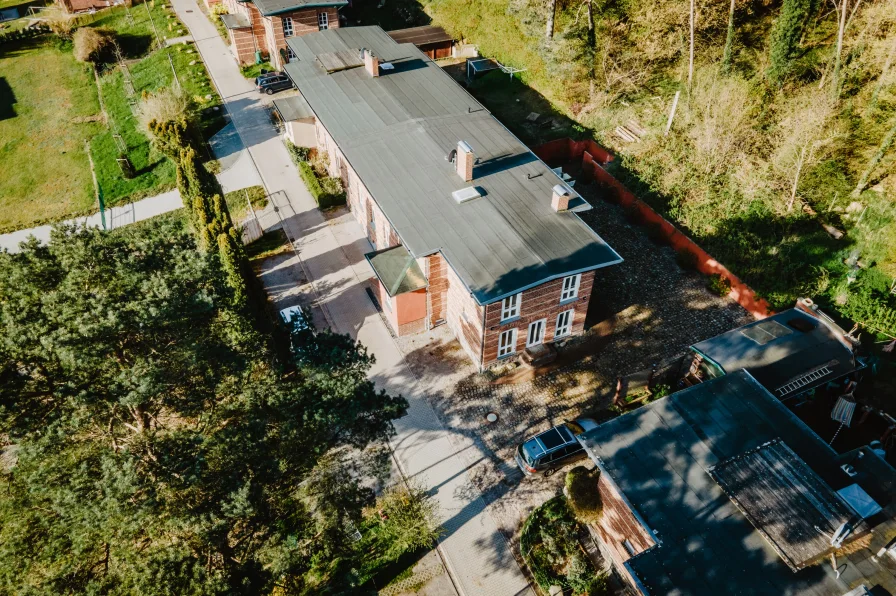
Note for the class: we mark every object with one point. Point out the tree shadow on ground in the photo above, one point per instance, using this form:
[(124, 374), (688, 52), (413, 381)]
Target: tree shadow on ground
[(7, 100), (134, 46)]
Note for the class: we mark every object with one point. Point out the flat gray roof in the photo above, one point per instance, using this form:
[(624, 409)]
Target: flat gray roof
[(293, 108), (396, 131), (661, 457), (779, 350)]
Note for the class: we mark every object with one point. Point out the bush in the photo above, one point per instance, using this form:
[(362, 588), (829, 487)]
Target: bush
[(582, 495), (62, 26), (327, 192), (94, 45), (686, 260), (298, 154), (583, 579), (165, 105), (719, 285)]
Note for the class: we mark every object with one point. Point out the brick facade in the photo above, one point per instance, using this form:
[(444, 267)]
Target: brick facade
[(618, 529), (540, 302), (266, 33), (447, 300)]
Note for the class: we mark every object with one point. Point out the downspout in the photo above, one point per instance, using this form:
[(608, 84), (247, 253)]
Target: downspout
[(482, 341)]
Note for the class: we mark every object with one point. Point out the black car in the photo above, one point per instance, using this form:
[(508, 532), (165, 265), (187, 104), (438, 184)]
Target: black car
[(553, 448), (272, 82)]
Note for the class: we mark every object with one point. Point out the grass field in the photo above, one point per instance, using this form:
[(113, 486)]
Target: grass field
[(155, 173), (44, 123)]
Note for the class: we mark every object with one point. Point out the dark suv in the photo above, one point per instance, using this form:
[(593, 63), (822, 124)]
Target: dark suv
[(553, 448), (272, 82)]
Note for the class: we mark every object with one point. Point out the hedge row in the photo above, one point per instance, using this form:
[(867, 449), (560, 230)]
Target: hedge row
[(322, 196), (23, 34)]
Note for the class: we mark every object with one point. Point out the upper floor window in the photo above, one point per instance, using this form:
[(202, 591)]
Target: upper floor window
[(510, 307), (570, 287), (323, 21), (287, 27)]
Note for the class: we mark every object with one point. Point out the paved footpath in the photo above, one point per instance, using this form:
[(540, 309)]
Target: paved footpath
[(331, 258)]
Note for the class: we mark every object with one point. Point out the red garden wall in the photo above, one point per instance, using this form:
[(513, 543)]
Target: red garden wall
[(593, 156)]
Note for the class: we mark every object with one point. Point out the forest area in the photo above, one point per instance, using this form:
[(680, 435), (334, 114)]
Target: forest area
[(768, 126)]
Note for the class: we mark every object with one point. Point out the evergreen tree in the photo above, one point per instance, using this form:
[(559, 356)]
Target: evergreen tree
[(786, 35), (152, 445)]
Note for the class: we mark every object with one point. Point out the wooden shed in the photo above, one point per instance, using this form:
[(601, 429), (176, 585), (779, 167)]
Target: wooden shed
[(432, 41)]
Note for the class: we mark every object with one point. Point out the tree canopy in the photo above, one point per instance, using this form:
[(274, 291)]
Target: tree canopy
[(152, 443)]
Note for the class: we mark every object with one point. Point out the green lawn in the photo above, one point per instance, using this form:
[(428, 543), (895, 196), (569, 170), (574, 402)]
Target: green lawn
[(155, 173), (44, 123), (135, 29)]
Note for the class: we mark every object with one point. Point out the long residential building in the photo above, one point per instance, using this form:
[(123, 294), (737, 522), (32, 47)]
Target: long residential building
[(468, 227)]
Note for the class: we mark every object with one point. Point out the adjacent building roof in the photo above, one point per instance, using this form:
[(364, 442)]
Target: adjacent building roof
[(421, 36), (788, 503), (788, 353), (396, 131), (661, 457), (235, 21), (293, 108), (274, 7), (397, 270)]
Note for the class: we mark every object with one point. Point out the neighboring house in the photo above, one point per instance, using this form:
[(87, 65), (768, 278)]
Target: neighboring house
[(720, 489), (469, 228), (265, 25), (789, 353), (76, 6), (429, 39)]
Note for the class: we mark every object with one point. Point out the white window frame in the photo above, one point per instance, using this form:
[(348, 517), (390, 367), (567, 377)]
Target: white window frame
[(508, 349), (288, 30), (563, 326), (323, 21), (510, 307), (290, 55), (570, 288), (543, 323)]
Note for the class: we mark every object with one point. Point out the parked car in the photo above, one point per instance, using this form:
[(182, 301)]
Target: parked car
[(272, 82), (553, 448)]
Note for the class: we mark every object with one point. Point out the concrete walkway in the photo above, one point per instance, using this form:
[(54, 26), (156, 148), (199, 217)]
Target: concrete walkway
[(116, 217), (330, 255)]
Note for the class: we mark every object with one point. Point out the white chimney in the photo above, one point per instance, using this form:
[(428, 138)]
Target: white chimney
[(560, 198), (371, 64), (464, 161)]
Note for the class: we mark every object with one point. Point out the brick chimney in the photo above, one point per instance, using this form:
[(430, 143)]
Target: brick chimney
[(464, 161), (560, 198), (371, 64)]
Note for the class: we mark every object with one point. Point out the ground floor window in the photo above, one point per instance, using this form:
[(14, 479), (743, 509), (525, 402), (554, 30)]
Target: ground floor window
[(564, 324), (507, 343), (536, 333), (290, 55), (323, 21)]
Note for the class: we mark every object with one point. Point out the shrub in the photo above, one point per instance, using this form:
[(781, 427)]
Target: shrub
[(583, 497), (326, 192), (686, 260), (583, 579), (62, 26), (92, 44), (408, 520), (165, 105), (298, 154), (719, 285)]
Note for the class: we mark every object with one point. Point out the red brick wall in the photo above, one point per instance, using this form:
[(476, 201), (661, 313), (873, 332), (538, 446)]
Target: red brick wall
[(437, 274), (242, 46), (540, 302), (617, 524), (245, 53), (303, 22)]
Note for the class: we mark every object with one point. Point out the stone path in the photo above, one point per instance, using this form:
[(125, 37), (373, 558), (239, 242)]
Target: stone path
[(329, 253)]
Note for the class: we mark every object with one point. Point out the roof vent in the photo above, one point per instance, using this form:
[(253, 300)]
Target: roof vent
[(387, 66), (466, 194)]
